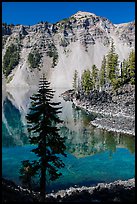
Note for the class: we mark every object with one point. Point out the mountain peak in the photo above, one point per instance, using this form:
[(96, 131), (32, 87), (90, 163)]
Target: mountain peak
[(76, 42), (80, 14)]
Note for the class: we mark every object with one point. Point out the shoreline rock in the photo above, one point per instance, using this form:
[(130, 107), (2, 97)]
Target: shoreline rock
[(117, 191), (115, 112), (109, 121)]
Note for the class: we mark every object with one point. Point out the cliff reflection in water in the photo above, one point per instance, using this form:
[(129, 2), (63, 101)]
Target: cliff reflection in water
[(85, 140), (82, 139), (13, 129)]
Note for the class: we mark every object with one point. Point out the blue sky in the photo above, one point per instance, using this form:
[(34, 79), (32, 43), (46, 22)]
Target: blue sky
[(30, 13)]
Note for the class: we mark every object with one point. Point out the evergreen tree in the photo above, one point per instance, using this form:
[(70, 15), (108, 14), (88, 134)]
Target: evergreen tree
[(79, 85), (124, 71), (11, 59), (112, 65), (121, 71), (43, 121), (102, 74), (128, 69), (87, 83), (94, 77), (34, 59), (131, 67), (75, 81)]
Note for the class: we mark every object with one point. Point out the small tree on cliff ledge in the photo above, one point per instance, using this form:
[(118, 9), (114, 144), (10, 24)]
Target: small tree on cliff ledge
[(75, 81), (42, 124)]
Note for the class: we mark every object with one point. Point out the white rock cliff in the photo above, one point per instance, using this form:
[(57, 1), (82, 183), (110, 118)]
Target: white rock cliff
[(78, 42)]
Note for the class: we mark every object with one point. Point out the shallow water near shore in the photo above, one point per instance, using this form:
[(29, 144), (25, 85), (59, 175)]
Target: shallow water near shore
[(93, 155)]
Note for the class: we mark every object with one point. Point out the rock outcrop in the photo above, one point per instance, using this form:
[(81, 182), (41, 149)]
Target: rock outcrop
[(115, 111), (118, 191), (74, 43)]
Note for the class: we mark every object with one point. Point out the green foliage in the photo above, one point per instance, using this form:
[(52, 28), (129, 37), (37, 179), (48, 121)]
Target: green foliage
[(52, 52), (131, 67), (9, 79), (51, 49), (27, 172), (124, 70), (87, 83), (128, 69), (4, 39), (72, 18), (94, 76), (102, 73), (65, 20), (116, 83), (112, 65), (111, 73), (43, 124), (34, 59), (11, 59), (75, 81), (55, 58)]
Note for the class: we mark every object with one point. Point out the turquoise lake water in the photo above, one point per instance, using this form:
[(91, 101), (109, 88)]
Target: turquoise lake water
[(93, 155)]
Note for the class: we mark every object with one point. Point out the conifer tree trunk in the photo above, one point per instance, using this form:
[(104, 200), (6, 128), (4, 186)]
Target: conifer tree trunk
[(43, 180)]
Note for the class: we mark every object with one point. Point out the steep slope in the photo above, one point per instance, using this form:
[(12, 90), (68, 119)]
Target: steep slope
[(74, 43)]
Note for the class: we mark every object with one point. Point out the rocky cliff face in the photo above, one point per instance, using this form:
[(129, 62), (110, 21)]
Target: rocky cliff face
[(74, 43)]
